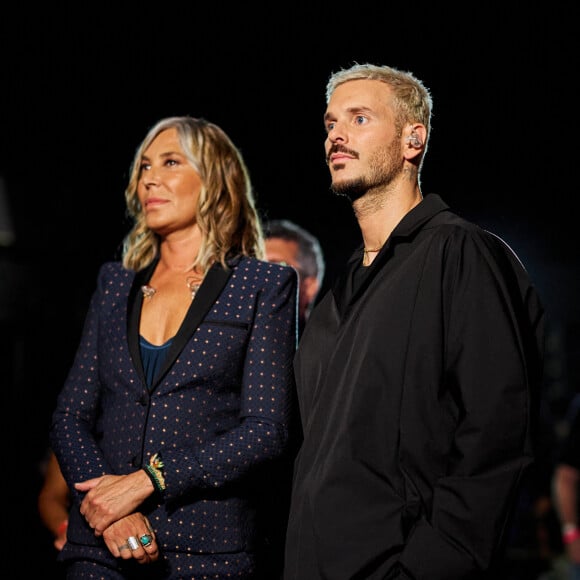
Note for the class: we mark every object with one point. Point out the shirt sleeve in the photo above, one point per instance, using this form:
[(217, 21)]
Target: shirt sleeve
[(494, 346)]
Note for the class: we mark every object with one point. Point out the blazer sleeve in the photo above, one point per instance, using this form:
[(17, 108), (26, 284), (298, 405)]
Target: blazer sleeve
[(77, 406)]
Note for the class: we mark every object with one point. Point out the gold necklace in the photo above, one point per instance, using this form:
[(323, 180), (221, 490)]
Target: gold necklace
[(192, 282), (367, 251)]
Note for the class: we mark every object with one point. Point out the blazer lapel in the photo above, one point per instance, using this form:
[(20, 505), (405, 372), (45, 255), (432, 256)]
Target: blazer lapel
[(135, 301), (210, 289)]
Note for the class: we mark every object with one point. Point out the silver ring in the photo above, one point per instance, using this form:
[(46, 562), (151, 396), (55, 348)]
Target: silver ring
[(146, 540), (123, 547), (133, 543)]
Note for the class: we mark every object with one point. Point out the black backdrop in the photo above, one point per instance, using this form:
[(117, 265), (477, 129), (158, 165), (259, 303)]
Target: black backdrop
[(82, 83)]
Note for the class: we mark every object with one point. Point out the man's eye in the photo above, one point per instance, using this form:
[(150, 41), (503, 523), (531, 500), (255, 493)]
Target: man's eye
[(330, 127), (360, 119)]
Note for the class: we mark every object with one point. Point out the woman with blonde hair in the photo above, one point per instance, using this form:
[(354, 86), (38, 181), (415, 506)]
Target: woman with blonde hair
[(179, 397)]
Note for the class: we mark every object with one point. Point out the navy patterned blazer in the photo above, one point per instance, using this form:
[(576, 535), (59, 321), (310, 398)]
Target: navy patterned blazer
[(219, 411)]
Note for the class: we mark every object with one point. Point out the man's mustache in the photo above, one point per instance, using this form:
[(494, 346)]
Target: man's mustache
[(337, 148)]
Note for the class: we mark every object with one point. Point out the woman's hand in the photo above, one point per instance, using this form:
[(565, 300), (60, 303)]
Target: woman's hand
[(112, 497), (132, 537)]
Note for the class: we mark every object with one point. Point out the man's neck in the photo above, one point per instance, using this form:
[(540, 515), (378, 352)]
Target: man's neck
[(378, 217)]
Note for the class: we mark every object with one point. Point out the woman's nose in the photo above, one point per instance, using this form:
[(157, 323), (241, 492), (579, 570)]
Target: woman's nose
[(150, 177)]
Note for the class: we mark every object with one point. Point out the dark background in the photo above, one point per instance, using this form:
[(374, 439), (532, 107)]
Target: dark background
[(81, 83)]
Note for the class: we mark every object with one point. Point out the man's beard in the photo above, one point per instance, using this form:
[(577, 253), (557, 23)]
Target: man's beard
[(384, 166), (350, 189)]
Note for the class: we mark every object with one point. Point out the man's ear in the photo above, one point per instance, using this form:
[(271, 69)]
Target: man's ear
[(414, 140)]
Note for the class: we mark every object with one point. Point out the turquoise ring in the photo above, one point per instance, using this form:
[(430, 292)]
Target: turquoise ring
[(146, 540)]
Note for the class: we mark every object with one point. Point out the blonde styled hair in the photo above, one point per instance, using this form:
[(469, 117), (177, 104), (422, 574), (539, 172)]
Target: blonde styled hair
[(411, 99), (226, 211)]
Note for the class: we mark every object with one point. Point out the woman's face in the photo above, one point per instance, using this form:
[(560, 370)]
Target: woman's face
[(168, 186)]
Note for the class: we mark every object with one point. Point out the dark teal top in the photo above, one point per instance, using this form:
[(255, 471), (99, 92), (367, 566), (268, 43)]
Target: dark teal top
[(152, 357)]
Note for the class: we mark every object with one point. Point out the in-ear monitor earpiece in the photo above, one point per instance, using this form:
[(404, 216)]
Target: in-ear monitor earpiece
[(413, 140)]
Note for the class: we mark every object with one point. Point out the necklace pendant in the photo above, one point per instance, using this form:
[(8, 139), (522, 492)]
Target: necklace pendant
[(193, 286), (148, 291)]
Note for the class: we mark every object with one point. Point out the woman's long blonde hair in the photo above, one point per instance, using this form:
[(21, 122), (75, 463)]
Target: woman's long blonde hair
[(226, 212)]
